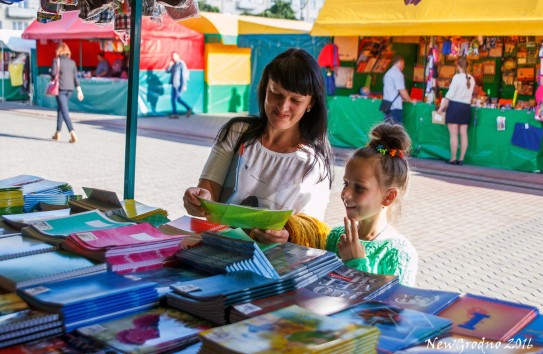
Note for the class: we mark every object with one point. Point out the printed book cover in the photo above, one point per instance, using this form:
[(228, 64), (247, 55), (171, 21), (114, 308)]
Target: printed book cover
[(289, 330), (424, 300), (38, 268), (400, 328), (20, 246), (69, 343), (351, 284), (494, 319), (153, 331), (289, 258)]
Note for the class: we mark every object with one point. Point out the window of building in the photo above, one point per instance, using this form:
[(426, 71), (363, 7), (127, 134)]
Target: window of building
[(19, 25)]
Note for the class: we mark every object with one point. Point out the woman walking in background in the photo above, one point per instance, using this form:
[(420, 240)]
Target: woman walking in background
[(66, 70), (457, 101)]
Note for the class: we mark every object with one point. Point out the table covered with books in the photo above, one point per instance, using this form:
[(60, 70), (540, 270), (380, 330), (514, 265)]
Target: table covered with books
[(97, 274)]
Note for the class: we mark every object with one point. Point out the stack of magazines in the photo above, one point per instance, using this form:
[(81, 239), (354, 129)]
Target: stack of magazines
[(126, 249), (92, 298), (11, 200), (290, 330), (51, 192), (18, 323), (210, 297)]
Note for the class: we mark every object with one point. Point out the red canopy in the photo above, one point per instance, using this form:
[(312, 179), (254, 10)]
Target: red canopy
[(69, 27), (157, 43)]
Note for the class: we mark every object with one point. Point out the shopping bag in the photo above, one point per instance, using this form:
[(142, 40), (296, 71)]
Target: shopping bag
[(52, 87), (438, 117)]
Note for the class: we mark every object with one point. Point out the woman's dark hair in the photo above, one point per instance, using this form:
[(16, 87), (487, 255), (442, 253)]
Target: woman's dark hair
[(296, 71), (392, 167)]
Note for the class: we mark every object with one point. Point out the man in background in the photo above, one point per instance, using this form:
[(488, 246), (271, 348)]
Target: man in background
[(394, 91), (103, 69), (178, 80)]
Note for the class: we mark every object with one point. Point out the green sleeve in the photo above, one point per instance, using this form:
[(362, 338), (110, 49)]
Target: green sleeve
[(332, 240)]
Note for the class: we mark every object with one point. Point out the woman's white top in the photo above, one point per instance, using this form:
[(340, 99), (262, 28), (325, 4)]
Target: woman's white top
[(458, 90), (276, 179)]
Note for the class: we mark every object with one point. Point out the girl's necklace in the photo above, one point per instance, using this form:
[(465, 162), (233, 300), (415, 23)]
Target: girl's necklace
[(379, 233)]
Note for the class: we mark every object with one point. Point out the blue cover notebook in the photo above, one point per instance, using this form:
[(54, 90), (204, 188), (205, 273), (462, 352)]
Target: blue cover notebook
[(40, 268), (20, 246), (400, 328), (69, 293), (532, 333), (424, 300)]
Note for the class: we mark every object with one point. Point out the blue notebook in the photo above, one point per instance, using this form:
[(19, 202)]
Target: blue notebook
[(20, 246), (532, 333), (69, 293), (44, 267), (424, 300)]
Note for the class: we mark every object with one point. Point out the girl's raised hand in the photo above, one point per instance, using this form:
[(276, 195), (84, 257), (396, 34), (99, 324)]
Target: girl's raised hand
[(349, 246)]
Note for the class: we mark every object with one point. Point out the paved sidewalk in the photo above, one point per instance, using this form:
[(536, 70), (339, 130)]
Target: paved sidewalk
[(477, 230)]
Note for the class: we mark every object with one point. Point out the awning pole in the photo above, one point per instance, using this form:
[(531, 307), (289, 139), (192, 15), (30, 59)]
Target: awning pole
[(3, 76), (132, 109)]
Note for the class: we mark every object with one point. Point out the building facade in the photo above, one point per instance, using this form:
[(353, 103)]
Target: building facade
[(18, 15), (306, 10)]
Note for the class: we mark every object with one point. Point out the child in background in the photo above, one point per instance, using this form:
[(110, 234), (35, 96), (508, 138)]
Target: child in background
[(376, 177)]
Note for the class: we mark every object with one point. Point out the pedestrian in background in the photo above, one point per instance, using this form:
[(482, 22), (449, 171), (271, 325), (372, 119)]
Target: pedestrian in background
[(66, 70), (394, 91), (457, 101), (178, 80)]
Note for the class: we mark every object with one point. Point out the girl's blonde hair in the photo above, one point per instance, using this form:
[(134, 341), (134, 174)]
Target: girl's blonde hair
[(463, 63), (63, 50)]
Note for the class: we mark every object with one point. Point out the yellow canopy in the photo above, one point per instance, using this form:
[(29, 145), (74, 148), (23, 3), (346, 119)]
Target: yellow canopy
[(265, 25), (429, 17), (214, 23)]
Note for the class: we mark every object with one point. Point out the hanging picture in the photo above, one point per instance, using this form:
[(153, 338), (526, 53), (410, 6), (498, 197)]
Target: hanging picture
[(495, 52), (344, 77), (525, 74), (489, 68), (347, 48), (526, 89)]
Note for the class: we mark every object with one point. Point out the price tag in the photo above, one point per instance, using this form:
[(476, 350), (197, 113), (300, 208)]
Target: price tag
[(41, 225), (186, 288), (87, 236), (132, 277), (247, 308), (37, 290), (89, 330)]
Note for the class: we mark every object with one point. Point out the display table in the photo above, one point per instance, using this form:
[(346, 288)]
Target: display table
[(102, 96), (351, 119)]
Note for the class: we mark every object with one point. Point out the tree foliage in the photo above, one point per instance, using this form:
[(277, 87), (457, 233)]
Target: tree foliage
[(280, 9), (203, 6)]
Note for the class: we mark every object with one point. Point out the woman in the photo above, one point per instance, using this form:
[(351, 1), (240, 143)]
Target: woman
[(279, 160), (457, 101), (66, 70)]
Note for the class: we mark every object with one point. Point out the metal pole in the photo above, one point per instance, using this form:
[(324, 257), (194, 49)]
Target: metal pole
[(132, 108), (81, 57), (3, 76)]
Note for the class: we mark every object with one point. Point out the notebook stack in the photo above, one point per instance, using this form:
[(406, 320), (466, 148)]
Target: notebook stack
[(219, 254), (156, 330), (290, 330), (126, 249), (47, 191), (20, 246), (140, 213), (210, 297), (11, 200), (400, 328), (166, 276), (18, 323), (39, 268), (338, 290), (19, 221), (92, 298), (56, 230)]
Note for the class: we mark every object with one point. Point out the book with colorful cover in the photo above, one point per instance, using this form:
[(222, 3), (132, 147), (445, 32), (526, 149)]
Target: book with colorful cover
[(482, 316), (42, 267), (533, 332), (56, 230), (400, 328), (30, 337), (20, 246), (289, 330), (153, 331), (424, 300), (69, 343)]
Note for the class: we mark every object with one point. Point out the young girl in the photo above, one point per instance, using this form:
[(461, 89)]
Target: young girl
[(376, 177)]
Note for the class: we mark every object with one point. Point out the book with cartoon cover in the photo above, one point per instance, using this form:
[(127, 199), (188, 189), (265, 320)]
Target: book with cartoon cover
[(153, 331), (400, 328), (292, 329)]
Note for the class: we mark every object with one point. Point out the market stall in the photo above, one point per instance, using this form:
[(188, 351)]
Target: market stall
[(502, 49), (87, 40), (227, 66), (15, 65)]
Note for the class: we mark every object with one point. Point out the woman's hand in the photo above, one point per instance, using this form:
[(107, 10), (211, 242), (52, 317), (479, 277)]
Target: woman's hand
[(349, 246), (191, 202), (270, 236), (80, 96)]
